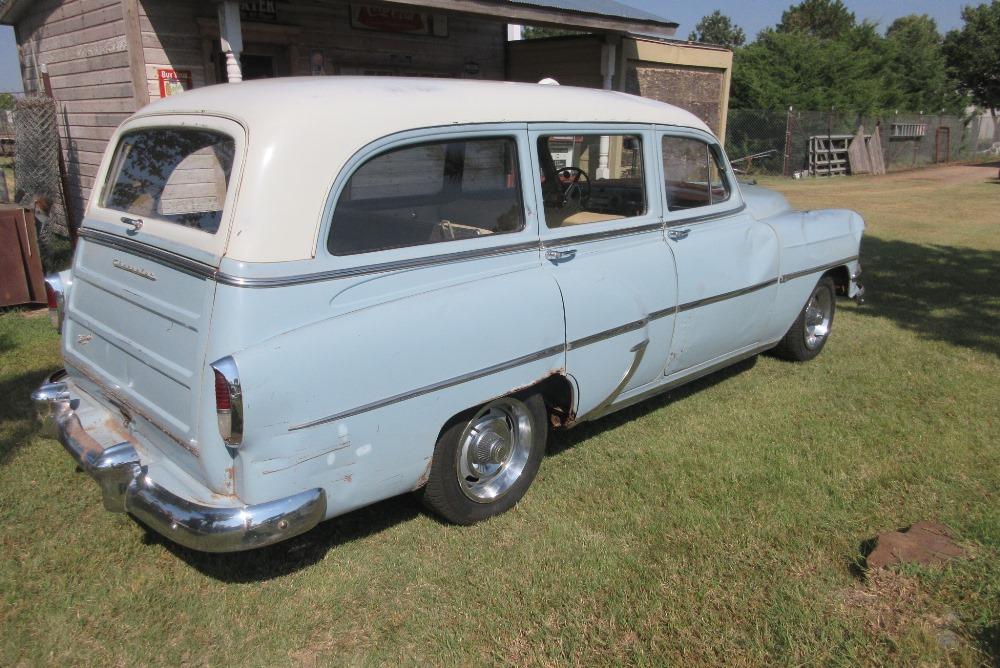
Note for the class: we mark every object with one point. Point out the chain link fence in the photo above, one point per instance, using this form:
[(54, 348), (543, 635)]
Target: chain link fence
[(778, 142), (33, 132)]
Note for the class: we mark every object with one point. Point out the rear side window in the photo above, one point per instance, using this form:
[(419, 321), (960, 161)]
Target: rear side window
[(694, 176), (178, 175), (429, 193)]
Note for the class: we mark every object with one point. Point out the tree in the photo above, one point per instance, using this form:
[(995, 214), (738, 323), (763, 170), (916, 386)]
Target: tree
[(717, 28), (540, 32), (917, 69), (973, 54), (827, 19), (6, 101), (795, 68)]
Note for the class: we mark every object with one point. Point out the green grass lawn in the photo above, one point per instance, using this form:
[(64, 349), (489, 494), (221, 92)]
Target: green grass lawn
[(720, 524)]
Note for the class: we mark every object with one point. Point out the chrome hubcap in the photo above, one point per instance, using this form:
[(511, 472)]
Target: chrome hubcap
[(494, 449), (818, 315)]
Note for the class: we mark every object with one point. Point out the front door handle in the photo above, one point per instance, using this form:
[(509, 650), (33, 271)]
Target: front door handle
[(678, 235), (559, 255)]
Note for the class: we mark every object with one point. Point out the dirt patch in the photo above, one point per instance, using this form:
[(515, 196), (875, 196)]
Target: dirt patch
[(891, 604), (945, 174), (924, 543)]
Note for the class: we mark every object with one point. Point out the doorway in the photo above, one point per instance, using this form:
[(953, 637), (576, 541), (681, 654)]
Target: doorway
[(258, 61)]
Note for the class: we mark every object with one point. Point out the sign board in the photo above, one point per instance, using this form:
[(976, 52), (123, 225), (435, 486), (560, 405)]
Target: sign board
[(173, 81), (258, 10), (383, 19)]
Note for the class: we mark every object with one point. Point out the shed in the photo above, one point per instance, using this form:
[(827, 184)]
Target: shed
[(107, 58), (695, 77)]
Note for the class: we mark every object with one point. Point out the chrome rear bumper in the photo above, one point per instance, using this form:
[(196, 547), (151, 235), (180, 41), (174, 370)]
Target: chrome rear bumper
[(126, 487)]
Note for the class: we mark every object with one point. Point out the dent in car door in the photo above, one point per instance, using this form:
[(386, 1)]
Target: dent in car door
[(615, 274), (727, 261)]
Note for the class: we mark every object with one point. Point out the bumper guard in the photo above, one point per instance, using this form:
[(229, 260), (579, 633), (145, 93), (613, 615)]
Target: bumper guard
[(126, 487)]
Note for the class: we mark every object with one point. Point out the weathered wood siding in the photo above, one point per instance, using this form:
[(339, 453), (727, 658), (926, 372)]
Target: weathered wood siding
[(171, 39), (183, 34), (83, 44), (572, 61)]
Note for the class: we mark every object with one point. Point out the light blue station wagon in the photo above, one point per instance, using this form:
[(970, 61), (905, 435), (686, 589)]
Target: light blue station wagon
[(294, 298)]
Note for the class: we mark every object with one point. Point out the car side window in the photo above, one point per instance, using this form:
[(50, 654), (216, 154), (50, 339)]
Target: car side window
[(591, 178), (693, 174), (429, 193)]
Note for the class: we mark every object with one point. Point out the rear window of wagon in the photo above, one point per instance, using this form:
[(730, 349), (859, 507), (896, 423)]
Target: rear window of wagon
[(177, 175)]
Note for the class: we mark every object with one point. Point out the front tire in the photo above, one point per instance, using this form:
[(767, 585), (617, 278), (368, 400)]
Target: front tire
[(811, 329), (485, 461)]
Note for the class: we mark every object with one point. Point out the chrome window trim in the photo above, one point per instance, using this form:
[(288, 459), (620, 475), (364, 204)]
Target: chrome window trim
[(552, 242), (205, 271), (379, 268), (823, 267)]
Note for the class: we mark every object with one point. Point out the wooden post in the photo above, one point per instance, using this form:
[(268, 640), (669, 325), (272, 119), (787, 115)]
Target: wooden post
[(607, 80), (71, 224), (786, 168), (231, 37)]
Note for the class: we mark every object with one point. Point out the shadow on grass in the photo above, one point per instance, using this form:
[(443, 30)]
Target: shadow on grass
[(561, 441), (16, 410), (299, 552), (989, 641), (943, 293), (311, 547)]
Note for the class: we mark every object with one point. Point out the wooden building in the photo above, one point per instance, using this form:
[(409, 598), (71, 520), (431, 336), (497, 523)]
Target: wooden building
[(104, 59), (695, 77)]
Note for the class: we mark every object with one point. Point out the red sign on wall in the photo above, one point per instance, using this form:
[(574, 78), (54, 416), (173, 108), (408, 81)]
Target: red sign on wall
[(173, 81), (367, 17)]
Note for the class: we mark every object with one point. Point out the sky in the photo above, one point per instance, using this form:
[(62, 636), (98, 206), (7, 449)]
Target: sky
[(751, 15)]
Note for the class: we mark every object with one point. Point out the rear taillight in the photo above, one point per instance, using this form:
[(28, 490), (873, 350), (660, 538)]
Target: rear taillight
[(228, 401), (55, 296)]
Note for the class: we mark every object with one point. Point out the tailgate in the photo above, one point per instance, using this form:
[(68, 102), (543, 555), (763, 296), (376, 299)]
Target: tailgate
[(139, 310), (139, 328)]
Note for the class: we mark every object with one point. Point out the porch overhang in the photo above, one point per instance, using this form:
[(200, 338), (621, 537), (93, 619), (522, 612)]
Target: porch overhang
[(607, 16)]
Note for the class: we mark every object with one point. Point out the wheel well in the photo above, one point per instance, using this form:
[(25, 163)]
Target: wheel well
[(841, 279), (557, 392)]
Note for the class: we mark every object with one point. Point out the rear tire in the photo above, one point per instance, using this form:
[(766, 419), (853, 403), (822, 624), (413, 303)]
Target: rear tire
[(486, 459), (808, 334)]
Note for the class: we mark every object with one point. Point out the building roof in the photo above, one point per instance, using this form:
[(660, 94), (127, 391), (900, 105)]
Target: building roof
[(598, 7), (596, 15), (303, 130)]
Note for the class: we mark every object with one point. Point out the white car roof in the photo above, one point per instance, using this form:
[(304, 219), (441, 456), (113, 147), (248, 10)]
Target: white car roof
[(384, 105), (303, 130)]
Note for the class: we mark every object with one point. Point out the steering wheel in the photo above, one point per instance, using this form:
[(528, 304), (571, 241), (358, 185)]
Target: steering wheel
[(573, 182)]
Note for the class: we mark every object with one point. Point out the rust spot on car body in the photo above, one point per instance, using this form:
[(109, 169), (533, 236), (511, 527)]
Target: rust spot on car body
[(424, 477)]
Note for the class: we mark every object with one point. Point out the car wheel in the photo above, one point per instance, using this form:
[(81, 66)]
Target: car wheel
[(485, 460), (811, 329)]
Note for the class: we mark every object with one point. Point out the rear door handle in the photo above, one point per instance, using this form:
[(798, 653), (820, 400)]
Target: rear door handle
[(559, 255), (678, 235)]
